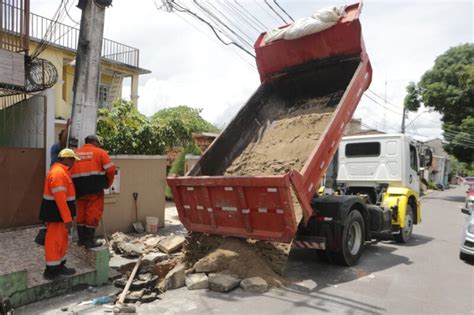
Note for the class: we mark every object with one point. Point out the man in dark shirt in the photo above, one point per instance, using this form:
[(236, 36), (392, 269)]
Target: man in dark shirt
[(61, 144)]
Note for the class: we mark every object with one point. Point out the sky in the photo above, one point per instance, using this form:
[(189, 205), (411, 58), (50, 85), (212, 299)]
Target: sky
[(190, 67)]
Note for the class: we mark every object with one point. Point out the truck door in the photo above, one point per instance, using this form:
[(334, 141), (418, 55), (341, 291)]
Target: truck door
[(412, 170)]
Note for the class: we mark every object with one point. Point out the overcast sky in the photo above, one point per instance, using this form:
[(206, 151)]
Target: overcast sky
[(190, 67)]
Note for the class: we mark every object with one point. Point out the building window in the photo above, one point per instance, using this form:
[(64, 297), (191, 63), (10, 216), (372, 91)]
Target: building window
[(362, 149), (103, 96)]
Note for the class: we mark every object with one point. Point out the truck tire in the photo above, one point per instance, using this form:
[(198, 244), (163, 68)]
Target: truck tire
[(465, 257), (405, 233), (352, 240)]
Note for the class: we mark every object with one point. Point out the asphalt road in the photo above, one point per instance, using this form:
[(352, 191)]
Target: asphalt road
[(425, 276)]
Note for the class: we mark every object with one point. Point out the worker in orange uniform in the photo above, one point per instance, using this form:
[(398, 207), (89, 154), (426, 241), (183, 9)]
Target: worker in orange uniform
[(91, 175), (57, 210)]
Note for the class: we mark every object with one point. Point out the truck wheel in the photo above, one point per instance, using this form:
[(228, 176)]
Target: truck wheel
[(464, 256), (405, 233), (353, 238)]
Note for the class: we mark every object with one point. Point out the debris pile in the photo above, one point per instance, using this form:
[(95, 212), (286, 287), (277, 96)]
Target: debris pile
[(198, 262)]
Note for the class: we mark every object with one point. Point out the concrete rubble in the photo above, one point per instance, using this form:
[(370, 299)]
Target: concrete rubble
[(175, 278), (171, 243), (254, 284), (197, 281), (222, 282)]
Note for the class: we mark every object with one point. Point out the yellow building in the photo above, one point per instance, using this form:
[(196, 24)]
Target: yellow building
[(36, 99)]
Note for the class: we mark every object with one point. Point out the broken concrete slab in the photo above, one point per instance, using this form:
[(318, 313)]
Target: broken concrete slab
[(222, 282), (150, 297), (175, 278), (137, 294), (254, 284), (154, 257), (171, 243), (131, 299), (121, 263), (152, 241), (130, 250), (197, 281), (304, 286)]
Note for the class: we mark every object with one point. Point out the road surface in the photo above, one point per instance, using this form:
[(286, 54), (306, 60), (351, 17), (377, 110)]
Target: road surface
[(425, 276)]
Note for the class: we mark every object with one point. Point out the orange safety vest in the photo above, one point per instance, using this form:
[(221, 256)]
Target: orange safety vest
[(59, 196), (94, 172)]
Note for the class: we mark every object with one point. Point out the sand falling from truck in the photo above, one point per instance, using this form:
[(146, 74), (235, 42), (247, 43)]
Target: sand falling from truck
[(282, 145)]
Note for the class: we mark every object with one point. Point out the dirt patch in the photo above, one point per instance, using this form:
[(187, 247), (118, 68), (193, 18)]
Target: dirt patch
[(243, 258)]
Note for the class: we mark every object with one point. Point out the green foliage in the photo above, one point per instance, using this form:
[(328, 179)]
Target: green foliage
[(178, 166), (431, 185), (124, 130), (461, 143), (178, 123), (449, 89)]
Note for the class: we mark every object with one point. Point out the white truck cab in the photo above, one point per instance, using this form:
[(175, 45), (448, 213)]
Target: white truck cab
[(372, 160)]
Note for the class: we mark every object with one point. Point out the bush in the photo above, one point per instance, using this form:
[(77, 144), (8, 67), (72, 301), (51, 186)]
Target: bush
[(178, 166)]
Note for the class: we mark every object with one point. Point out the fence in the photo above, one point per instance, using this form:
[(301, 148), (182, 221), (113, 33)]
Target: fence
[(16, 25)]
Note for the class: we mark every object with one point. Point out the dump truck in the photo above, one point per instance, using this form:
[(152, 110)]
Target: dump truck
[(260, 177)]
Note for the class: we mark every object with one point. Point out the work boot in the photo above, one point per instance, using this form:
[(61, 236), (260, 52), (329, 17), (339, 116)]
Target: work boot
[(90, 241), (65, 270), (81, 235), (52, 272)]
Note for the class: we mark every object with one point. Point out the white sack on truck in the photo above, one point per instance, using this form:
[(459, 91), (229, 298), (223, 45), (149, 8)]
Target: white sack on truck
[(319, 21)]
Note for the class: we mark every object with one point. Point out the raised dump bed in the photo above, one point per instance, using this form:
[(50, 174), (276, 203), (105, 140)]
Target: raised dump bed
[(257, 178)]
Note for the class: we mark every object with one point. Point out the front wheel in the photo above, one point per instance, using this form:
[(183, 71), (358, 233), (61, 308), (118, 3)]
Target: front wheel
[(405, 233), (352, 241)]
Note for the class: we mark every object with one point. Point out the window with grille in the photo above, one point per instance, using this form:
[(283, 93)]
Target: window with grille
[(103, 95)]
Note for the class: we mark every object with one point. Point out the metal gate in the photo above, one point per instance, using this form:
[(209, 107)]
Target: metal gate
[(22, 160)]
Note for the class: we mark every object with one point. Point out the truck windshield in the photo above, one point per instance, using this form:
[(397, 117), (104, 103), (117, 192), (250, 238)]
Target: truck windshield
[(362, 149)]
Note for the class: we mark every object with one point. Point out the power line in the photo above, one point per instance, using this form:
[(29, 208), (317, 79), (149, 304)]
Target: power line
[(283, 10), (274, 11)]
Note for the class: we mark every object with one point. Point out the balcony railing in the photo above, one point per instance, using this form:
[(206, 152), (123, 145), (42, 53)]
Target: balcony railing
[(14, 15), (67, 36)]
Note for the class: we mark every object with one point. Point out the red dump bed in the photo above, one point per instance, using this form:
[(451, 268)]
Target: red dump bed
[(292, 71)]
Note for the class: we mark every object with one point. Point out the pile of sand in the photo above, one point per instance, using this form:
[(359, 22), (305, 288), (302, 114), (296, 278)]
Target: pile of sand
[(243, 258), (287, 142)]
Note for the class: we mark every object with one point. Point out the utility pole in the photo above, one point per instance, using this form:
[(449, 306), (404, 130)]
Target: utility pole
[(403, 118), (87, 71)]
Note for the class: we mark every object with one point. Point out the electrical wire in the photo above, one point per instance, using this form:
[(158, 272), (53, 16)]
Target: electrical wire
[(283, 10), (274, 11), (171, 5)]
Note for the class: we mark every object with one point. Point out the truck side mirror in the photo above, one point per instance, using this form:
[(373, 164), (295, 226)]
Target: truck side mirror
[(466, 211)]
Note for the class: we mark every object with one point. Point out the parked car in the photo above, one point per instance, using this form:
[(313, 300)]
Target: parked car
[(469, 180), (467, 246), (470, 196)]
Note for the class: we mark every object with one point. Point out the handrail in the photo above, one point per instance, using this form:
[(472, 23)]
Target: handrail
[(67, 36)]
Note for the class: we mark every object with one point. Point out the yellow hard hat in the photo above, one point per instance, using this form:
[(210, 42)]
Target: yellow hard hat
[(68, 153)]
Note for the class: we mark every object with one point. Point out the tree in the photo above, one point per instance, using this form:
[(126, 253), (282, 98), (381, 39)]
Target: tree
[(124, 130), (178, 124), (449, 89)]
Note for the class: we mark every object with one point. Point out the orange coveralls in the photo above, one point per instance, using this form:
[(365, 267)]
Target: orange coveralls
[(91, 175), (57, 209)]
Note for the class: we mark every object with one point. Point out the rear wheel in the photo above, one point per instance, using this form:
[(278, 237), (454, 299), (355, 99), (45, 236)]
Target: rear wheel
[(352, 241), (405, 233), (464, 256)]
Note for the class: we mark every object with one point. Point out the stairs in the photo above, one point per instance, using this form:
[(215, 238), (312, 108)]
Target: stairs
[(115, 91)]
